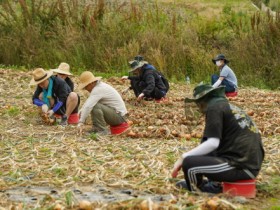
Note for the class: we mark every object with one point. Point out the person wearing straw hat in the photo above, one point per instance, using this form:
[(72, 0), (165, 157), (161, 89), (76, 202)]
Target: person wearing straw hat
[(146, 81), (63, 71), (53, 95), (231, 148), (227, 77), (104, 103)]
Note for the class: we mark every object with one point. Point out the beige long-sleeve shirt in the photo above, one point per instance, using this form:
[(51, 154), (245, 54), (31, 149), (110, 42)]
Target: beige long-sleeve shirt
[(105, 94)]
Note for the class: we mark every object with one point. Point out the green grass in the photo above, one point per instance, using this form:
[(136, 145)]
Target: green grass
[(177, 37)]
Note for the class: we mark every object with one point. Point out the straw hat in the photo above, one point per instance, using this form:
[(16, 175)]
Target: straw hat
[(202, 90), (63, 68), (40, 75), (86, 78)]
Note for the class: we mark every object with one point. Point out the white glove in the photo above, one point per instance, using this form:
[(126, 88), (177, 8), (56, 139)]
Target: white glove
[(45, 108), (124, 77), (80, 128), (50, 113), (140, 96), (176, 168)]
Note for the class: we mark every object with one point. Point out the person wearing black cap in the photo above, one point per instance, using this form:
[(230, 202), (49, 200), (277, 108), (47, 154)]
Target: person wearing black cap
[(226, 77), (231, 148), (146, 81)]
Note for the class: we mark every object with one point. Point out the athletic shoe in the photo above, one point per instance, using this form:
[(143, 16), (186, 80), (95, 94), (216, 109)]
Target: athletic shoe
[(64, 120), (211, 187)]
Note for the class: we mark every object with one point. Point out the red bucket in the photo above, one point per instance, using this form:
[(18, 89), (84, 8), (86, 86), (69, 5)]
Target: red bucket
[(72, 119), (245, 188), (231, 94), (118, 129), (162, 100)]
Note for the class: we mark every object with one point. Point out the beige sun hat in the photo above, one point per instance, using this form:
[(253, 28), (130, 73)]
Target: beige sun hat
[(63, 68), (86, 78), (40, 75)]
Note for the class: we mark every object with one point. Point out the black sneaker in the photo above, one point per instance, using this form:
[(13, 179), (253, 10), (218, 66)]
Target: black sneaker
[(182, 184), (211, 187), (64, 120)]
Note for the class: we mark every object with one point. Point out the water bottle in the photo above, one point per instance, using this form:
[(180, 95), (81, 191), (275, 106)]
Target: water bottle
[(188, 81)]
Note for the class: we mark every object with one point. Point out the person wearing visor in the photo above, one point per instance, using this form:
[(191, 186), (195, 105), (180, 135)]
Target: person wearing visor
[(231, 148), (52, 95), (146, 81), (226, 77)]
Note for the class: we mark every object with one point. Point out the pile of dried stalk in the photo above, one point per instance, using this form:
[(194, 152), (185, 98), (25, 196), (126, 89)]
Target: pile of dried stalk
[(34, 154)]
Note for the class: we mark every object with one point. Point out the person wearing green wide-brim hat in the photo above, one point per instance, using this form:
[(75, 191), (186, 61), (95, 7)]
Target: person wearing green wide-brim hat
[(146, 81), (231, 147)]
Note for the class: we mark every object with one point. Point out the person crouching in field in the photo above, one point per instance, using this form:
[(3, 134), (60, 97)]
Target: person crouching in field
[(146, 81), (231, 148), (53, 95), (226, 77), (63, 71), (104, 103)]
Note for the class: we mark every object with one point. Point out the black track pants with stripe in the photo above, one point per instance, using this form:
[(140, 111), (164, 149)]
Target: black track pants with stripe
[(214, 168)]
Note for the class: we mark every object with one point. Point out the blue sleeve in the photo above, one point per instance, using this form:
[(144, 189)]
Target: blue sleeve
[(38, 102), (57, 106)]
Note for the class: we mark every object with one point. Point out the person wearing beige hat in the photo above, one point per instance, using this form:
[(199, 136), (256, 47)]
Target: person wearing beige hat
[(53, 95), (104, 103), (63, 71)]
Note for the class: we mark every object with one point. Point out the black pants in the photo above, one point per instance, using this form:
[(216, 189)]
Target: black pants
[(214, 168), (138, 86)]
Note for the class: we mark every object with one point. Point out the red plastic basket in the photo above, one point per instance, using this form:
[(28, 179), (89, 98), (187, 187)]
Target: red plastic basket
[(73, 118), (118, 129), (231, 94), (162, 100), (245, 188)]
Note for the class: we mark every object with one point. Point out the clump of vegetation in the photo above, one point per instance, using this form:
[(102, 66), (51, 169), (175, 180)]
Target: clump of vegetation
[(103, 36)]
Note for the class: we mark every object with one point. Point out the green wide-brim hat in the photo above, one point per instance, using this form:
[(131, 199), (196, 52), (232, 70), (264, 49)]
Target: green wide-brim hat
[(203, 90)]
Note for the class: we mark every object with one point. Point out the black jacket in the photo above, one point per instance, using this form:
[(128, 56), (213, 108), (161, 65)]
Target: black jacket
[(60, 90), (150, 79)]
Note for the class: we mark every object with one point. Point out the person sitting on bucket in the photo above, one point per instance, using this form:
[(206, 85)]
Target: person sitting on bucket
[(104, 103), (63, 71), (231, 148), (53, 95), (146, 82), (227, 77)]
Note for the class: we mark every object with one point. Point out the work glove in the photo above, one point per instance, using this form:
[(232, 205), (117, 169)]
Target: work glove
[(124, 77), (80, 128), (177, 167), (140, 96), (50, 113), (45, 108)]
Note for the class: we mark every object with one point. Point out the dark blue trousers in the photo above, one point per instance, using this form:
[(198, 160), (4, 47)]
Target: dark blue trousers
[(227, 84)]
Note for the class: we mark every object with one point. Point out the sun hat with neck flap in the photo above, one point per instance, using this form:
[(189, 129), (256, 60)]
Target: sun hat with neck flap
[(137, 63), (40, 75), (86, 78), (63, 68), (202, 90)]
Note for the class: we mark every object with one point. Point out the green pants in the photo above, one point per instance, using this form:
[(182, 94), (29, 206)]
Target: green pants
[(103, 115)]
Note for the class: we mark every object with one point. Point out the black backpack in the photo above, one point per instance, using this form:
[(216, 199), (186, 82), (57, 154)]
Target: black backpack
[(164, 80)]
